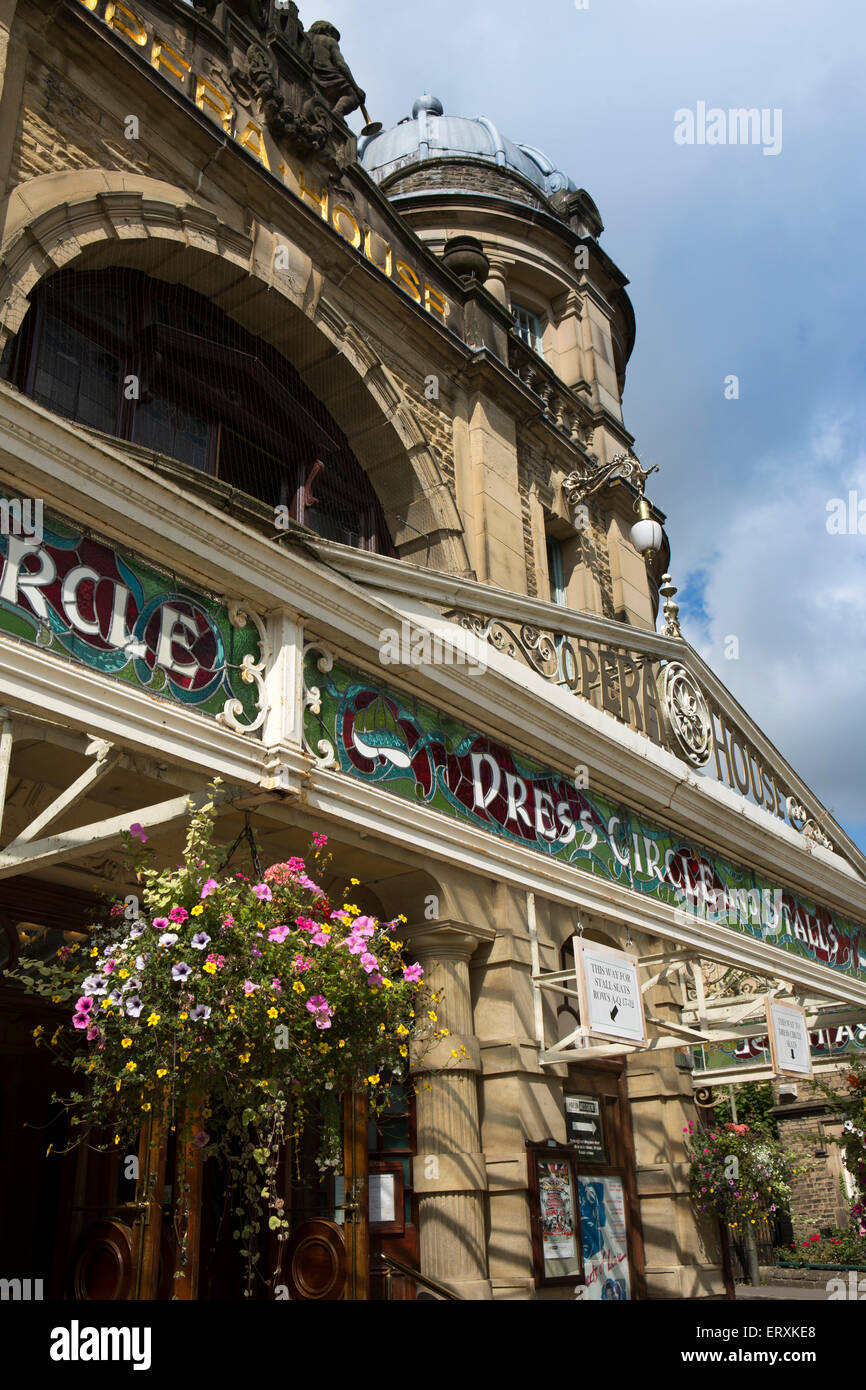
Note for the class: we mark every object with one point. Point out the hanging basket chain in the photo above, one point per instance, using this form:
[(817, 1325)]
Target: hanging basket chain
[(248, 835)]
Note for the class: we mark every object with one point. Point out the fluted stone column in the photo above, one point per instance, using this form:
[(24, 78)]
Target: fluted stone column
[(449, 1172), (496, 281)]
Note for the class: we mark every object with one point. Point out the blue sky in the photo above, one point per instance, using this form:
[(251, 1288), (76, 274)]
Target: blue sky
[(740, 263)]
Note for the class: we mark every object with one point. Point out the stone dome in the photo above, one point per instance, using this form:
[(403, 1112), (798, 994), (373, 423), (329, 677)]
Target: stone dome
[(429, 134)]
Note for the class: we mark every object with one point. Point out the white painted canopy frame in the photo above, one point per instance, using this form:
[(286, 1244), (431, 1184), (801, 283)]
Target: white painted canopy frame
[(33, 849), (707, 1020)]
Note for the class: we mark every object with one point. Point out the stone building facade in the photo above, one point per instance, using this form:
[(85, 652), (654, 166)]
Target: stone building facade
[(309, 391), (822, 1190)]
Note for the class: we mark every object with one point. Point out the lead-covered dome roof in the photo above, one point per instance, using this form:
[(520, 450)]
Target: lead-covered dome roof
[(430, 134)]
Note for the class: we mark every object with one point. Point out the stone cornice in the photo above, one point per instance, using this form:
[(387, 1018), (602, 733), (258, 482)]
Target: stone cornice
[(125, 501)]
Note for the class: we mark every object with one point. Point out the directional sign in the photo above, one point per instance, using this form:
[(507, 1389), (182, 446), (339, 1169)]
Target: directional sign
[(584, 1128), (790, 1047), (611, 1004)]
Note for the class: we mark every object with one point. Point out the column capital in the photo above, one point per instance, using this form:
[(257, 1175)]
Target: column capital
[(447, 940)]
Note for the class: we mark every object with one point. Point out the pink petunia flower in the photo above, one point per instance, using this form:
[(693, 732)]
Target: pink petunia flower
[(208, 888), (263, 893), (249, 987), (369, 961), (278, 934), (413, 973), (178, 914), (137, 833), (320, 840)]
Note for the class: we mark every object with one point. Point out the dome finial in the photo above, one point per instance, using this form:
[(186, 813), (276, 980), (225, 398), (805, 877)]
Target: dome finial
[(428, 103)]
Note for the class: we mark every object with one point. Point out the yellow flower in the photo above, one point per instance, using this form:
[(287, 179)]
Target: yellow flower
[(131, 1066), (373, 1080), (180, 1016), (403, 1032), (272, 1013), (55, 998), (389, 984), (37, 1032), (197, 910), (123, 974), (401, 918), (153, 1020), (454, 1052), (324, 1047), (354, 882), (298, 987), (341, 1043), (117, 1086), (146, 1105), (243, 1056), (431, 1015), (404, 1051), (117, 1138), (126, 1042), (209, 967), (446, 1033), (381, 1027), (161, 1072), (93, 953)]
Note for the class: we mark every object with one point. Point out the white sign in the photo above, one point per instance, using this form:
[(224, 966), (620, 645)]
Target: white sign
[(790, 1046), (611, 1004), (382, 1195)]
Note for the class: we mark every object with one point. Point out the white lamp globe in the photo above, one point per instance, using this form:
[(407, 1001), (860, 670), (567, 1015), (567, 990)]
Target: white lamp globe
[(646, 536)]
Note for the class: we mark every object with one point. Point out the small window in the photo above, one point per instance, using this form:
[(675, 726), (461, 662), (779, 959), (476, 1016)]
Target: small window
[(529, 327), (556, 573)]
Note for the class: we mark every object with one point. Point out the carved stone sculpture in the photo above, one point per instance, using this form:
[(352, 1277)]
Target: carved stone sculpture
[(331, 72)]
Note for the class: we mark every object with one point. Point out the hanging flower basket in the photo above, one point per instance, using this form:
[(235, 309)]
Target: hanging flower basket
[(737, 1173), (258, 993)]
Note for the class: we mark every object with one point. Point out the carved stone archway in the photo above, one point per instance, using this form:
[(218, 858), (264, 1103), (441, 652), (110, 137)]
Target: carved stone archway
[(100, 218)]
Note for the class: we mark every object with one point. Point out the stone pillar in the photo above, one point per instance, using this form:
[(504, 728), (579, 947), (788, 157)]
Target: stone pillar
[(496, 281), (449, 1172)]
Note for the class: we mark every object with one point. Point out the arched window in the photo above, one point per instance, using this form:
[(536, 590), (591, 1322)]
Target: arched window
[(161, 367)]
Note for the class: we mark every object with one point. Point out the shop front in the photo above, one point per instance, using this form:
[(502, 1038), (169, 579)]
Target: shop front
[(293, 502)]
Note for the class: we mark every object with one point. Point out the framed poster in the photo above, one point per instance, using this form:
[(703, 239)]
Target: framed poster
[(556, 1220), (790, 1045), (584, 1129), (611, 1003), (604, 1237), (386, 1198)]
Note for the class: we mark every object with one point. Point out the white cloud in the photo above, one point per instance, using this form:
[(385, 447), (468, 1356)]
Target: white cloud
[(795, 597)]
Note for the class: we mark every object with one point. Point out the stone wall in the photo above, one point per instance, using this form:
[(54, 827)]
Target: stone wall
[(817, 1198), (473, 176)]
